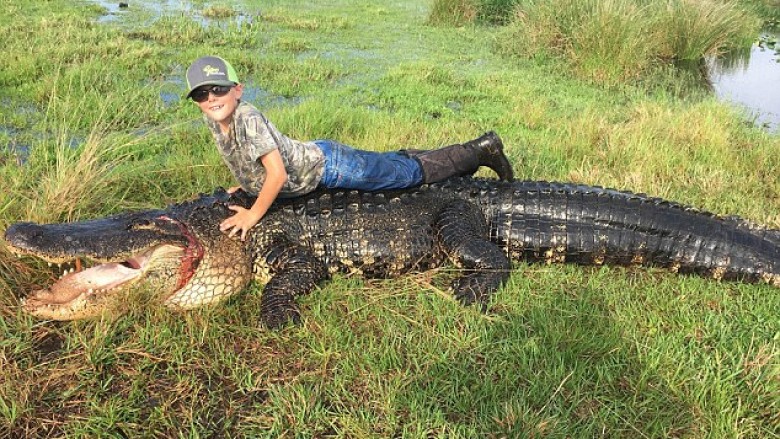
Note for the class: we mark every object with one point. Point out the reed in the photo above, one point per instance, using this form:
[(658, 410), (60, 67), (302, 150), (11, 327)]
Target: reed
[(614, 41), (453, 12)]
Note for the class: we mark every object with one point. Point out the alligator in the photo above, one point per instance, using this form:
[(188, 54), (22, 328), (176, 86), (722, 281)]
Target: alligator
[(478, 225)]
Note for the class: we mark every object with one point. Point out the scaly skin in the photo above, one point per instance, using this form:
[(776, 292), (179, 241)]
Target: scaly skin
[(479, 225)]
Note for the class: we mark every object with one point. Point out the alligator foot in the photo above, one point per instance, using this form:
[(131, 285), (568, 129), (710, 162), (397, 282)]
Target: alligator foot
[(467, 291), (477, 287), (279, 310), (296, 271), (464, 235)]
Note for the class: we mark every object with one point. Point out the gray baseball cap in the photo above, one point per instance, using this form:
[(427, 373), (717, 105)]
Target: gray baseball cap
[(210, 70)]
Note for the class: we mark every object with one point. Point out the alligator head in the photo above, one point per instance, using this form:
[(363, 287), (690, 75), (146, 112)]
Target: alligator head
[(178, 252)]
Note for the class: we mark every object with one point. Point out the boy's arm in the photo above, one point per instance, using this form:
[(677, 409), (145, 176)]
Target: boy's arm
[(275, 177)]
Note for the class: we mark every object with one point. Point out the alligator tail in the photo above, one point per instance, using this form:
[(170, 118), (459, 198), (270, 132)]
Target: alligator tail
[(555, 222)]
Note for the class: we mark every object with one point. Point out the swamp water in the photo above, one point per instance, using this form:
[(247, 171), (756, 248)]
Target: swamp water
[(751, 79)]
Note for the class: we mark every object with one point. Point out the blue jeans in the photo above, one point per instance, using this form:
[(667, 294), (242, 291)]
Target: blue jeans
[(350, 168)]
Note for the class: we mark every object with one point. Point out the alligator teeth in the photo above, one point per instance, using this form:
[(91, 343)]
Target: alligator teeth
[(66, 268)]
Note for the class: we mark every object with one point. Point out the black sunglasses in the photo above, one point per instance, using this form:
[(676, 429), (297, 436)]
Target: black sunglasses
[(200, 94)]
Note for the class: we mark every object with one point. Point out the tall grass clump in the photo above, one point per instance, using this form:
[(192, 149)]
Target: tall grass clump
[(453, 12), (219, 12), (692, 30), (496, 11), (460, 12), (768, 9), (614, 41), (69, 172)]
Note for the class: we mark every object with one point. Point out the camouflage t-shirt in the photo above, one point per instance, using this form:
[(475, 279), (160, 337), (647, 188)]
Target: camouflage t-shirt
[(252, 136)]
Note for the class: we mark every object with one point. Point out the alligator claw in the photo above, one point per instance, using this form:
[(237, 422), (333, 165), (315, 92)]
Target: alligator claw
[(475, 288), (281, 317)]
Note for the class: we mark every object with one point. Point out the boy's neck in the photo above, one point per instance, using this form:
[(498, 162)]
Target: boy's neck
[(224, 125)]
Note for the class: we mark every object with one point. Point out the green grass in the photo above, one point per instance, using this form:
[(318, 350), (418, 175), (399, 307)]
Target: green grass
[(612, 42), (565, 351), (619, 41), (462, 12)]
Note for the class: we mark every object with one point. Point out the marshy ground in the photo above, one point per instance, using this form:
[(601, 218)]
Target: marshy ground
[(92, 122)]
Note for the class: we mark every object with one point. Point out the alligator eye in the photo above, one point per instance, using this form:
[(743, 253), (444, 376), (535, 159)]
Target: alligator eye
[(142, 225)]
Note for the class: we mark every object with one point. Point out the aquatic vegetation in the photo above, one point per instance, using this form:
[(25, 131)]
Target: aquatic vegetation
[(219, 11), (627, 40)]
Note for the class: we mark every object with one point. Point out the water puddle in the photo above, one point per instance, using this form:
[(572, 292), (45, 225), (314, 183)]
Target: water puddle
[(750, 79), (263, 99), (12, 152), (118, 10), (172, 89), (15, 136), (114, 10)]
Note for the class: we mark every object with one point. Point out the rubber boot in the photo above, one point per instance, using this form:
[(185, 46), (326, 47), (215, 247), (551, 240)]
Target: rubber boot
[(464, 159)]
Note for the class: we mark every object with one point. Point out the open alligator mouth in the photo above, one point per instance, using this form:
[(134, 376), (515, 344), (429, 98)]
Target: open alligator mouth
[(71, 295), (76, 285)]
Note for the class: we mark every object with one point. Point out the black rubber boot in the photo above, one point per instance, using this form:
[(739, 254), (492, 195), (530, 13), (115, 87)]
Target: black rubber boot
[(490, 153), (464, 159)]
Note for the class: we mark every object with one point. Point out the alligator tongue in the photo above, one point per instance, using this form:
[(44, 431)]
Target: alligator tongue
[(99, 277)]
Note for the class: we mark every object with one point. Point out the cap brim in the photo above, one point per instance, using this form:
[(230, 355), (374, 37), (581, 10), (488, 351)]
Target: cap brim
[(216, 82)]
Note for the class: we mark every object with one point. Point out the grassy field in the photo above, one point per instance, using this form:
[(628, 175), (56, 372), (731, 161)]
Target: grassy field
[(92, 122)]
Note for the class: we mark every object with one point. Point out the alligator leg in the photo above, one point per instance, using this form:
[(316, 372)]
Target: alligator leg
[(464, 235), (295, 271)]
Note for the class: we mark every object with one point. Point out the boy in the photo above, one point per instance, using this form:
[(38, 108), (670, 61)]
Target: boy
[(268, 163)]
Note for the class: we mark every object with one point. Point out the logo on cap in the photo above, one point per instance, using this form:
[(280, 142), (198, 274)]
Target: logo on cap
[(209, 70)]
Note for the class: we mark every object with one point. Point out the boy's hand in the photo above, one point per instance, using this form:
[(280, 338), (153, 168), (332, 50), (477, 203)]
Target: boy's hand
[(245, 219), (242, 221)]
